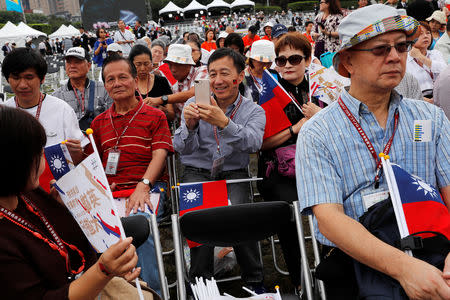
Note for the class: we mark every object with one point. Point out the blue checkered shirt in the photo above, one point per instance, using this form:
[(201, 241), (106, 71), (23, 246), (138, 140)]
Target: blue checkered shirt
[(333, 164)]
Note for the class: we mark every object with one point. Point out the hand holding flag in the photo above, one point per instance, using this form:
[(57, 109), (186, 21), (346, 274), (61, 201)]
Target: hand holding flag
[(273, 100)]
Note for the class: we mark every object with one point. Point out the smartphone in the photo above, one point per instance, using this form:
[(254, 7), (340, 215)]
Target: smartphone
[(202, 91)]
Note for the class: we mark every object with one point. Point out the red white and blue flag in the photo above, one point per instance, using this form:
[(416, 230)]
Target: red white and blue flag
[(196, 196), (273, 100), (58, 159), (422, 204)]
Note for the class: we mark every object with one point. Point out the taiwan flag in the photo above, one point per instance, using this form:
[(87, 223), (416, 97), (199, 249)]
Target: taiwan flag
[(422, 204), (273, 100), (58, 159), (202, 195)]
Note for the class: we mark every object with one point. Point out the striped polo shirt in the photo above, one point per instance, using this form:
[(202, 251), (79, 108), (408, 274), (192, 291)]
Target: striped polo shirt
[(147, 132)]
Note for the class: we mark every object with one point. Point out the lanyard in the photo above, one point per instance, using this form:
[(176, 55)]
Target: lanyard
[(148, 83), (118, 137), (258, 86), (56, 244), (366, 140), (429, 72), (233, 113), (80, 102), (38, 110)]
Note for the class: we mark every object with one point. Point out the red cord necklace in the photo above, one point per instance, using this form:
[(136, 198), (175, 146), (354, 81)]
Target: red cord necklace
[(56, 244)]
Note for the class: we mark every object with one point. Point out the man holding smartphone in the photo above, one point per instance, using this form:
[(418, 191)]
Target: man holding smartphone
[(214, 142)]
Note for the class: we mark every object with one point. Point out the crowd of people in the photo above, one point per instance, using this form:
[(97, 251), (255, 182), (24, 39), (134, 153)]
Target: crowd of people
[(145, 109)]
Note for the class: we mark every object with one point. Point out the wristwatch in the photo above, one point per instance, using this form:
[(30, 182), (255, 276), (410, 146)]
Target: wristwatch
[(165, 100), (147, 182)]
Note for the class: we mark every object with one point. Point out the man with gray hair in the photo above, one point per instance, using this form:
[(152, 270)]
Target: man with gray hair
[(339, 172)]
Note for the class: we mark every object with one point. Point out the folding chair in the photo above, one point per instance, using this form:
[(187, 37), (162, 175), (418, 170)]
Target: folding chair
[(229, 226), (309, 280)]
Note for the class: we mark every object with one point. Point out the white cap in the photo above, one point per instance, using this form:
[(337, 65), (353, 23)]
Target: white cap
[(180, 54), (438, 16), (263, 51), (268, 24), (78, 52), (114, 47)]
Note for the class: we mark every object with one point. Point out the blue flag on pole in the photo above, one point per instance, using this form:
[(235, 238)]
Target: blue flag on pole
[(13, 5)]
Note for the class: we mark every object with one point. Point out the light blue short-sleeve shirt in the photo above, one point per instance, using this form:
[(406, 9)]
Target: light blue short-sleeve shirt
[(333, 164)]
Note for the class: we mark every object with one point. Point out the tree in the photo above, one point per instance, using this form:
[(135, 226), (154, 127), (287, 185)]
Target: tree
[(12, 16)]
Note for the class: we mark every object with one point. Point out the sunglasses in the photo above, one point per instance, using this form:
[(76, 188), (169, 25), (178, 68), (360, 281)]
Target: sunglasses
[(384, 50), (293, 60)]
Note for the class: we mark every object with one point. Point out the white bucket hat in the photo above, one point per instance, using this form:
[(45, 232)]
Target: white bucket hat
[(180, 54), (223, 35), (368, 22), (268, 24), (114, 47), (263, 51), (438, 16)]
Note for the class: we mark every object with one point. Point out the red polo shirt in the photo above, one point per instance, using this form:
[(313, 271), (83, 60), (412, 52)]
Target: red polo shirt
[(147, 132)]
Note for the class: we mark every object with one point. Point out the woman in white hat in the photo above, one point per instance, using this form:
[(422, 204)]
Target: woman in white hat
[(436, 21), (260, 56), (425, 64)]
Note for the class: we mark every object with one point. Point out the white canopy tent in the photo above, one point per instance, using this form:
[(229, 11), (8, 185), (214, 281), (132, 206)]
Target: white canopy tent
[(73, 31), (28, 31), (218, 3), (170, 8), (237, 3), (194, 5), (60, 32)]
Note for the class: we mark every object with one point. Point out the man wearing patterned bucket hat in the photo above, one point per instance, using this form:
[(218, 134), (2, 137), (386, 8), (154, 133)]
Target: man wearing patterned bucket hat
[(337, 168)]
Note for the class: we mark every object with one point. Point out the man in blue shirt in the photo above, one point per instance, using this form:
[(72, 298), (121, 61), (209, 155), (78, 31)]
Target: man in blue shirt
[(336, 167), (218, 138)]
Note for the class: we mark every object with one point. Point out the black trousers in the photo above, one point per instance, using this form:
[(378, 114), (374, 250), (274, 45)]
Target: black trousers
[(280, 188)]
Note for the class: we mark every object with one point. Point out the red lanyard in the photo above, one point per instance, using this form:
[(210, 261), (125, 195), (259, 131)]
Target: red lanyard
[(56, 244), (118, 137), (38, 110), (366, 140), (81, 102), (233, 113)]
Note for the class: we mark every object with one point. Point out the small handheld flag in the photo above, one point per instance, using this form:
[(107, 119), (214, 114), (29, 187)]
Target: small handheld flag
[(202, 195), (418, 206), (273, 100), (58, 159)]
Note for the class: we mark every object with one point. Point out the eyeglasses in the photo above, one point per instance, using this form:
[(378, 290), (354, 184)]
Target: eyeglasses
[(384, 50), (293, 60)]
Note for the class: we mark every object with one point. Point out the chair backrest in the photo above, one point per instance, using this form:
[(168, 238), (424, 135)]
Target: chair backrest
[(236, 224)]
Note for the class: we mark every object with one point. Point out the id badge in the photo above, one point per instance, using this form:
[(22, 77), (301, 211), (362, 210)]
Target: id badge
[(217, 166), (422, 131), (112, 162), (371, 197), (104, 55)]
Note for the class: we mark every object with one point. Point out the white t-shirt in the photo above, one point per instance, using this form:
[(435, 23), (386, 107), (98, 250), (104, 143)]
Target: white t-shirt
[(124, 36), (58, 119)]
